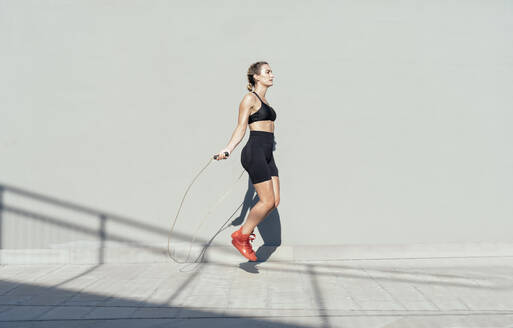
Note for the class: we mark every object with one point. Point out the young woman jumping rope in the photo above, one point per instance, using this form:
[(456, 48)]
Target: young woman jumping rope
[(257, 155)]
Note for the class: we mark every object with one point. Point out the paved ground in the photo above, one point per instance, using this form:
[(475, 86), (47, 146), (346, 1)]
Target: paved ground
[(451, 292)]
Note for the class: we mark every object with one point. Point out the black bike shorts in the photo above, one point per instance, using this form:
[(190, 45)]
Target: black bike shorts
[(257, 156)]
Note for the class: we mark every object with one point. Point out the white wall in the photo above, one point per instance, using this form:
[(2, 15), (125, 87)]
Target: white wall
[(393, 118)]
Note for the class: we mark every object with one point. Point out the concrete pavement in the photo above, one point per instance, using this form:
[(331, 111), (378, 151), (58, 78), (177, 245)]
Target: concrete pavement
[(431, 292)]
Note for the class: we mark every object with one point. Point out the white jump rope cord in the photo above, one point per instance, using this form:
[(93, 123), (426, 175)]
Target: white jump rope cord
[(202, 221)]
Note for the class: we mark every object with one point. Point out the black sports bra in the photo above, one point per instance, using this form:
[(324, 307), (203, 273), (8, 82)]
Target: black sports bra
[(264, 113)]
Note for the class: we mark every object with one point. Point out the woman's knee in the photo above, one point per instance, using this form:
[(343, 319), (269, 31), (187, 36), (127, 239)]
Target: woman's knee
[(268, 203), (266, 194), (272, 203)]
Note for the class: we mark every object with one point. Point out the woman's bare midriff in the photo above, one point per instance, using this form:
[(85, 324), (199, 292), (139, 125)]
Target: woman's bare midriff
[(267, 126)]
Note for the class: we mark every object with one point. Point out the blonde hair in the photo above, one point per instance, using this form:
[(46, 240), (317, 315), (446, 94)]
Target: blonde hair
[(254, 69)]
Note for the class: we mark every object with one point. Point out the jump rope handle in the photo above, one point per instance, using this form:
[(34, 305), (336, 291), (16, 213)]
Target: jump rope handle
[(225, 153)]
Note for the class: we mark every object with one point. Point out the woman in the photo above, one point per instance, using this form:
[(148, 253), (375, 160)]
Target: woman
[(257, 155)]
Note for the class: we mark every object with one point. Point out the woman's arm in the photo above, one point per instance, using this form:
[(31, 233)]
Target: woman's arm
[(242, 124)]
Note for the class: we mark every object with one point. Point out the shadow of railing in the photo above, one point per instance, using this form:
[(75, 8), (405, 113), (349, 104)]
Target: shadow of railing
[(39, 306), (102, 217), (267, 228), (318, 296)]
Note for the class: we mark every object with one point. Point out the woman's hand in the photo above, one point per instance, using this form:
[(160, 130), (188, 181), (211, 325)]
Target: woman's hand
[(222, 155)]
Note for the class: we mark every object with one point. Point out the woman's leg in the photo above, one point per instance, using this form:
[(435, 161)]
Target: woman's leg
[(276, 180), (276, 188), (264, 206)]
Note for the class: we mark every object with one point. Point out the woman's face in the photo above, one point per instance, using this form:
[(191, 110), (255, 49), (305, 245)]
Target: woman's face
[(266, 76)]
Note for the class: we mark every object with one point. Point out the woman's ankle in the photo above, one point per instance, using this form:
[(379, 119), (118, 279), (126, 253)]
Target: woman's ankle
[(244, 230)]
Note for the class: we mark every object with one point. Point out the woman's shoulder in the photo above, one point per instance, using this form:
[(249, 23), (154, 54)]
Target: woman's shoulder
[(250, 97), (249, 102)]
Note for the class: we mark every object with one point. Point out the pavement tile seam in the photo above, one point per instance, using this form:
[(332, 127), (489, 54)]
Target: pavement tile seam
[(50, 272), (190, 314), (427, 298), (385, 289)]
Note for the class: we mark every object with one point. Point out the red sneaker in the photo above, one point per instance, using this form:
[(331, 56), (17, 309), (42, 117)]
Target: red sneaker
[(242, 243)]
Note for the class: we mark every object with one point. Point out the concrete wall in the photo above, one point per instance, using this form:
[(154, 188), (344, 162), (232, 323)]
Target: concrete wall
[(393, 119)]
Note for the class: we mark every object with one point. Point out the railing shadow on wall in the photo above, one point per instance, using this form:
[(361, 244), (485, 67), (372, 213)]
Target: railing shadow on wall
[(101, 216), (269, 229)]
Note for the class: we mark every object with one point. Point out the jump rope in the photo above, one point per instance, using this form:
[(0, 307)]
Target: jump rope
[(223, 227)]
